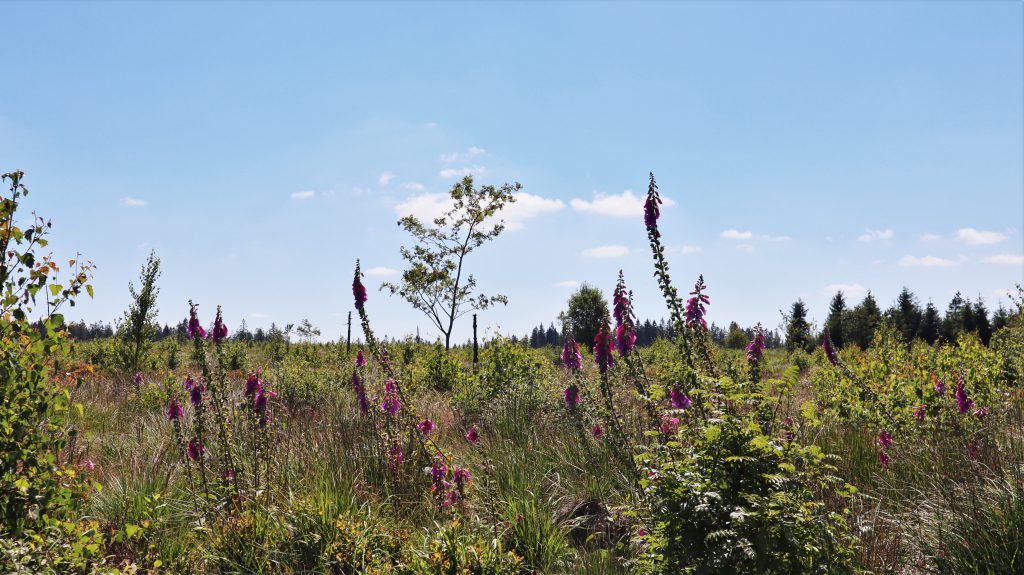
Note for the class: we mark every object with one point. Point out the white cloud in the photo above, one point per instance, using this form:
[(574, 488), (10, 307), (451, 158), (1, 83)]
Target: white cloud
[(737, 235), (306, 195), (428, 207), (380, 271), (528, 206), (572, 284), (688, 249), (424, 206), (385, 178), (973, 237), (925, 262), (929, 237), (130, 202), (606, 252), (414, 186), (449, 173), (848, 289), (749, 235), (1006, 259), (872, 235), (626, 205), (469, 154)]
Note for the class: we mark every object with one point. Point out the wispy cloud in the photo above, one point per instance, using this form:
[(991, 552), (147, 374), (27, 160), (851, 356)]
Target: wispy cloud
[(929, 237), (430, 206), (306, 195), (606, 252), (624, 205), (686, 249), (1006, 259), (870, 235), (414, 186), (385, 178), (469, 154), (737, 235), (925, 262), (380, 271), (848, 289), (748, 235), (973, 237), (449, 173), (130, 202), (571, 284)]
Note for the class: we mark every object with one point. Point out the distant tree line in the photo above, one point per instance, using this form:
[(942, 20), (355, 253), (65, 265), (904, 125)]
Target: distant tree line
[(856, 325), (648, 331), (82, 331)]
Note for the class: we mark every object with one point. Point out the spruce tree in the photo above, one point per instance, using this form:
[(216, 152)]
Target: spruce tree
[(798, 330), (906, 315), (931, 325), (836, 322), (864, 321), (981, 323)]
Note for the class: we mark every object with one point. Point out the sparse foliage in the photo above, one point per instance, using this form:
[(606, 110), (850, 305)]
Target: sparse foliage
[(436, 281)]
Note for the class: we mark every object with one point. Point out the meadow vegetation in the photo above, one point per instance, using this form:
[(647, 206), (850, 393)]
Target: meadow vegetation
[(205, 453)]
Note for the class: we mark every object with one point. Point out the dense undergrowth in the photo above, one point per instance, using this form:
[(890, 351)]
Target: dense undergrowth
[(224, 456)]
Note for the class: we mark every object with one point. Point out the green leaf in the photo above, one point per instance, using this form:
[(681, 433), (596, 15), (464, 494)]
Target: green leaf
[(55, 289), (88, 288), (131, 529)]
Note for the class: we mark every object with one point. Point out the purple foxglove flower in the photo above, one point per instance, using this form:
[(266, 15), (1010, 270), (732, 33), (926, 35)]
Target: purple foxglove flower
[(755, 349), (651, 210), (883, 458), (426, 426), (360, 359), (195, 395), (972, 450), (571, 357), (220, 331), (472, 435), (963, 402), (195, 449), (603, 348), (189, 383), (830, 352), (358, 289), (981, 412), (571, 396), (679, 399), (625, 338), (940, 387), (919, 412), (174, 411), (695, 310), (787, 429), (884, 439), (597, 432), (253, 384), (139, 379), (195, 329), (669, 424), (357, 386), (391, 402), (438, 470), (461, 476)]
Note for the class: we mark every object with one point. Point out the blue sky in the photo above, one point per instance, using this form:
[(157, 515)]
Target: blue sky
[(261, 148)]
